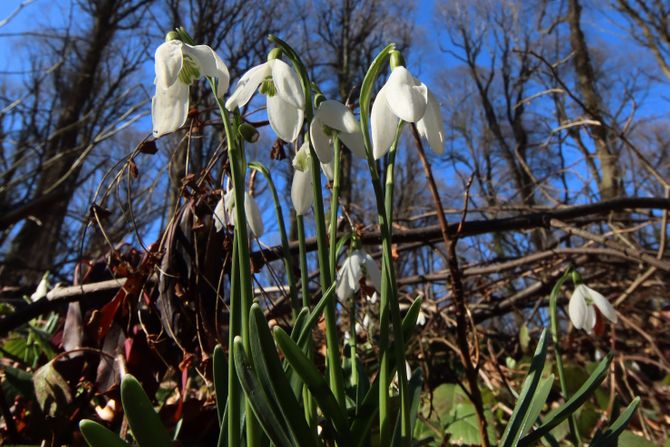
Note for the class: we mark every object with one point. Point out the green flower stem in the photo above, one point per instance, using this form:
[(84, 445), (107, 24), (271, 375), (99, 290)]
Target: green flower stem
[(334, 202), (553, 316), (237, 170), (388, 294), (310, 405), (336, 378), (302, 254), (234, 388), (288, 259)]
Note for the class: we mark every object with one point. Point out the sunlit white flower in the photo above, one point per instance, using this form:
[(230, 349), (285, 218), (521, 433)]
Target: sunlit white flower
[(285, 97), (358, 265), (302, 193), (334, 119), (421, 318), (581, 311), (42, 289), (403, 97), (224, 213), (178, 65), (328, 170)]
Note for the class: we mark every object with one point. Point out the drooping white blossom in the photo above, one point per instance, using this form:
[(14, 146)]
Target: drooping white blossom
[(224, 213), (333, 119), (42, 289), (178, 65), (358, 265), (581, 308), (403, 97), (302, 193), (285, 97)]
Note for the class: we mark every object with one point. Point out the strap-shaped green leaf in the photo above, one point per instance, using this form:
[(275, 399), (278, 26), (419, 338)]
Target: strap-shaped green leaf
[(315, 314), (573, 404), (220, 378), (316, 383), (610, 435), (268, 416), (362, 424), (514, 428), (415, 387), (536, 405), (97, 435), (144, 422), (273, 379)]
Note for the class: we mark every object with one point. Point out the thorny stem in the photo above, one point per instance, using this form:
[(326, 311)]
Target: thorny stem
[(458, 293)]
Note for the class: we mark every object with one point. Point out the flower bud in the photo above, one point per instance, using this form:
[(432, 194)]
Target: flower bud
[(275, 53), (576, 278), (248, 132), (172, 35), (396, 59)]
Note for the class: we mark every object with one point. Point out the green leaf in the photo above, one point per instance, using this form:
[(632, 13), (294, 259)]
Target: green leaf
[(524, 337), (362, 424), (316, 383), (97, 435), (220, 377), (573, 404), (630, 439), (610, 435), (51, 389), (267, 416), (271, 375), (536, 405), (513, 430), (144, 422), (17, 382), (464, 430), (314, 316)]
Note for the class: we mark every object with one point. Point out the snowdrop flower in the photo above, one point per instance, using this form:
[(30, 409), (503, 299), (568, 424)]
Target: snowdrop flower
[(224, 213), (285, 97), (42, 289), (581, 311), (421, 318), (178, 65), (403, 97), (302, 193), (358, 265), (334, 120)]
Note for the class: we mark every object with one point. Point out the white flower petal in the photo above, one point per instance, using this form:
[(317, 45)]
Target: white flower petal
[(41, 291), (337, 116), (168, 62), (247, 85), (219, 215), (581, 310), (169, 108), (602, 304), (287, 83), (578, 309), (354, 141), (372, 272), (302, 193), (285, 119), (327, 169), (253, 215), (349, 276), (406, 96), (383, 124), (421, 318), (320, 142), (431, 126), (210, 64)]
